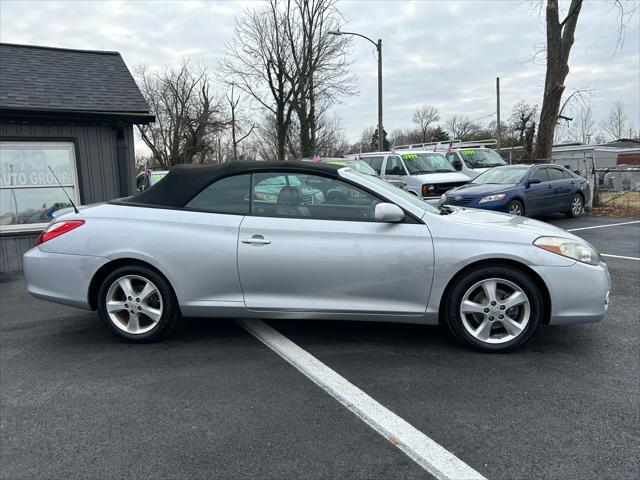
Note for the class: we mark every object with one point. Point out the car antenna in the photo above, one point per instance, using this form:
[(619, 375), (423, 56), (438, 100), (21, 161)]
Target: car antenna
[(75, 209)]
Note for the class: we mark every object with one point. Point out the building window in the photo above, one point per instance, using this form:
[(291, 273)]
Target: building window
[(29, 193)]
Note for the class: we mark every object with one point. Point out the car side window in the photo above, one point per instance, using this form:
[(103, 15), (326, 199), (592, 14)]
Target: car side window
[(541, 173), (555, 174), (310, 196), (374, 162), (394, 166), (227, 195)]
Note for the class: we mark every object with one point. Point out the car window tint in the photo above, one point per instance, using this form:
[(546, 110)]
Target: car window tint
[(541, 173), (227, 195), (555, 174), (374, 162), (394, 166), (310, 196)]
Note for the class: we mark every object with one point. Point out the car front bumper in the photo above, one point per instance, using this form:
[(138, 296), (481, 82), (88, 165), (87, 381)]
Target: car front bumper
[(579, 293), (60, 278)]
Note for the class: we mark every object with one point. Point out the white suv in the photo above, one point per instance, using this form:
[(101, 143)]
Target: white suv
[(469, 158), (426, 174)]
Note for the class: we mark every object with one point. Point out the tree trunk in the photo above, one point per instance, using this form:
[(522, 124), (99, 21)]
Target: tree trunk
[(560, 37), (281, 132)]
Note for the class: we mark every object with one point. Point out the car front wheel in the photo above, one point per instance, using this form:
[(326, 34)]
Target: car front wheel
[(515, 208), (494, 309), (136, 303)]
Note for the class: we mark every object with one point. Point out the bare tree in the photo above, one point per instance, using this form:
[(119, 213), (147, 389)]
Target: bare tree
[(424, 116), (616, 123), (187, 114), (559, 41), (583, 126), (320, 70), (461, 126), (259, 62), (522, 116), (239, 125)]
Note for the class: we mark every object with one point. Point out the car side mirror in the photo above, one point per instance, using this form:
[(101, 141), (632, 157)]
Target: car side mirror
[(388, 212), (533, 180), (457, 164)]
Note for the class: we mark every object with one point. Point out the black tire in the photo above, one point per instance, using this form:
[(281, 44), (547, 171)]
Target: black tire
[(515, 206), (170, 311), (452, 304), (577, 207)]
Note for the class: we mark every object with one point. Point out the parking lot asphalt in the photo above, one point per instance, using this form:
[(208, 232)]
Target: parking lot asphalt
[(213, 402)]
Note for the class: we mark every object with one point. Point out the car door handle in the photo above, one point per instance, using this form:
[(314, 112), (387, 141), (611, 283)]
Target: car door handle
[(256, 239)]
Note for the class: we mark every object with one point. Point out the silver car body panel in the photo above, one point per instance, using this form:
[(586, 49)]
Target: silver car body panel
[(308, 268)]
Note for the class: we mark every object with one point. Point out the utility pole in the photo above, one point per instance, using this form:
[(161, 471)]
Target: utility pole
[(380, 127), (498, 112)]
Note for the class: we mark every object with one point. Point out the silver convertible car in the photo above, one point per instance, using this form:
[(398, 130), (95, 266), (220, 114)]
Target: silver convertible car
[(246, 239)]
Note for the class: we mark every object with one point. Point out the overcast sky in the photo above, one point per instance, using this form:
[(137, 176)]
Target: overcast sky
[(447, 53)]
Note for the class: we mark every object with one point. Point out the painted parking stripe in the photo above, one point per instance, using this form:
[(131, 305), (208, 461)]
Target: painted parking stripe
[(602, 226), (619, 256), (434, 458)]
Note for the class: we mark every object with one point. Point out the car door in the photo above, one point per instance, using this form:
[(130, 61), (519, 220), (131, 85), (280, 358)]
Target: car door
[(537, 194), (298, 255), (564, 186)]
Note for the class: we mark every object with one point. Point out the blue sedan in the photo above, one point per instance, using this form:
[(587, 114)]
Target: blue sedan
[(523, 190)]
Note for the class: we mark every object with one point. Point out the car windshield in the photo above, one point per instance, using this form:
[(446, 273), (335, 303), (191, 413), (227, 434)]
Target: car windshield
[(357, 165), (481, 158), (506, 175), (425, 162), (386, 187)]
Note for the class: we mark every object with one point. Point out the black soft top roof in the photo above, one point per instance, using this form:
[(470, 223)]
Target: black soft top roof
[(183, 182)]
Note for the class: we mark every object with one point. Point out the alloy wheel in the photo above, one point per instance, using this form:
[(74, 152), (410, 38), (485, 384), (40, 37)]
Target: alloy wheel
[(576, 205), (134, 304), (515, 209), (495, 311)]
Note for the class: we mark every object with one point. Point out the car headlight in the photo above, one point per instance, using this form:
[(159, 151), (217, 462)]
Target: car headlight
[(425, 190), (580, 251), (492, 198)]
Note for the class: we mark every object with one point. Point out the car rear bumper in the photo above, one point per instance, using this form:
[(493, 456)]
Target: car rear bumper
[(579, 293), (60, 278)]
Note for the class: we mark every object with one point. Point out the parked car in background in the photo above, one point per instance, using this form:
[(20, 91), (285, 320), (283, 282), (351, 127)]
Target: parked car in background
[(381, 255), (427, 175), (357, 165), (468, 158), (523, 190), (148, 178)]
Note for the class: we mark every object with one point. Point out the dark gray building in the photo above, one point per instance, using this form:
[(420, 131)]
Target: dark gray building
[(69, 110)]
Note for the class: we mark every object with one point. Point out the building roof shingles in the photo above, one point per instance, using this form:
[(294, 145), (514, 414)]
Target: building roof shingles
[(44, 78)]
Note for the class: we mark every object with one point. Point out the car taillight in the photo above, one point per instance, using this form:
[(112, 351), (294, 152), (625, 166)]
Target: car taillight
[(57, 229)]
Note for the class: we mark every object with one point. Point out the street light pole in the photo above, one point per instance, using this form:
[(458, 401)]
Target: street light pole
[(378, 46)]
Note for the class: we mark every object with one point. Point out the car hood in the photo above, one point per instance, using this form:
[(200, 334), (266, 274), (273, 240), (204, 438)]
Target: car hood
[(481, 189), (529, 227), (442, 177)]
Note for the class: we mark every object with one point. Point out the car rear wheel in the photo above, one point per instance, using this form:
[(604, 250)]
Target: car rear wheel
[(137, 304), (515, 208), (494, 309), (577, 207)]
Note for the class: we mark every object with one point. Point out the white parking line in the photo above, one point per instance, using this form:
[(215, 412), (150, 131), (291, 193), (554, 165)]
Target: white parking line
[(619, 256), (434, 458), (602, 226)]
